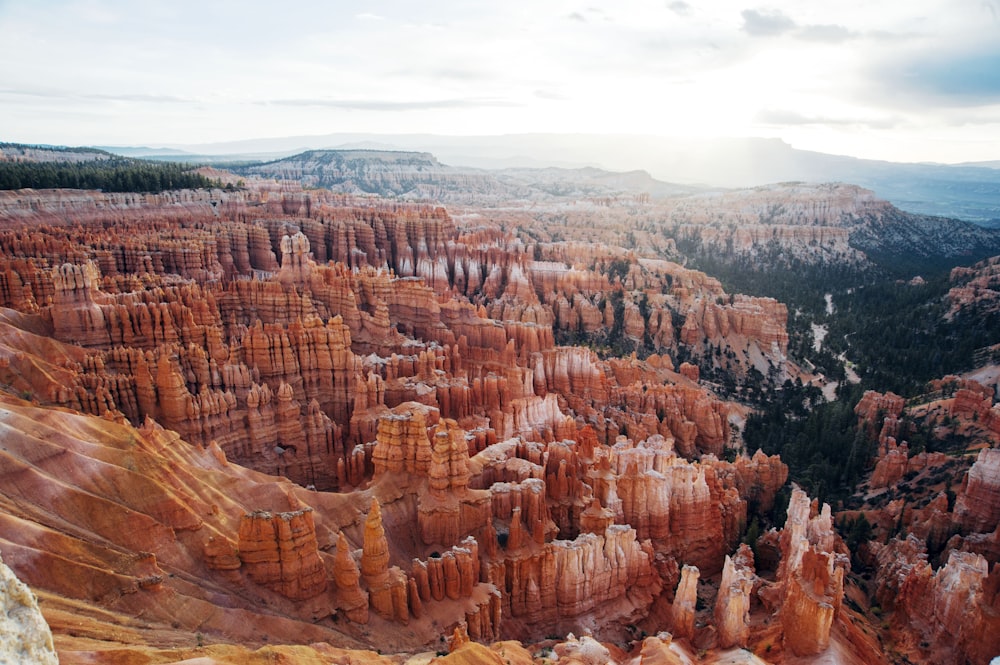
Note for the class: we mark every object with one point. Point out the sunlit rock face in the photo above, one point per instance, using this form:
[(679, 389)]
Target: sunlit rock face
[(810, 579), (26, 636)]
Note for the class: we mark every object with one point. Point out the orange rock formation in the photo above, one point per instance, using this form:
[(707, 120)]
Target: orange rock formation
[(294, 416)]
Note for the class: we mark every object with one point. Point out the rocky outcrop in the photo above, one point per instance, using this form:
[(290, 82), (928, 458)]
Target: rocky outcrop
[(977, 285), (401, 443), (809, 588), (683, 508), (594, 571), (878, 413), (685, 600), (353, 602), (952, 610), (978, 507), (758, 479), (891, 466), (732, 604), (450, 510), (26, 636), (279, 551), (388, 587)]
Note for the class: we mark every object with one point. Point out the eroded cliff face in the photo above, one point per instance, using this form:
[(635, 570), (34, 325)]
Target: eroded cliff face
[(934, 541), (949, 614), (288, 365), (312, 419), (976, 286)]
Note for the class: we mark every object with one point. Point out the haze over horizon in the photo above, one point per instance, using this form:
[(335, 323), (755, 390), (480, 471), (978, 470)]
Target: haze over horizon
[(898, 81)]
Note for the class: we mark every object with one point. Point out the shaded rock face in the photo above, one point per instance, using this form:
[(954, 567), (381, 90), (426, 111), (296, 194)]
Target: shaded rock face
[(978, 508), (951, 540), (26, 636), (952, 609)]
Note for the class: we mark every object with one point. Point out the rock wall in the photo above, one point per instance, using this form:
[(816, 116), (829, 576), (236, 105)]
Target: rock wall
[(26, 636)]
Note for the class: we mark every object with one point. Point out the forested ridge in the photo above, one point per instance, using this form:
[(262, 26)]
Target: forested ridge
[(116, 174), (894, 331)]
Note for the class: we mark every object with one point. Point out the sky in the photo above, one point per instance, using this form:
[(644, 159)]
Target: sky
[(901, 80)]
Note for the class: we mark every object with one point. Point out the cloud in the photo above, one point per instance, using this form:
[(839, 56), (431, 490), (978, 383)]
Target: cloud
[(390, 105), (66, 96), (766, 23), (550, 95), (679, 7), (771, 23), (155, 99), (786, 117), (824, 33), (577, 16)]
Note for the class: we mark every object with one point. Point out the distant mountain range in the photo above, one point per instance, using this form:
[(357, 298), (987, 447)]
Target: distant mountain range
[(964, 191), (734, 221), (419, 175)]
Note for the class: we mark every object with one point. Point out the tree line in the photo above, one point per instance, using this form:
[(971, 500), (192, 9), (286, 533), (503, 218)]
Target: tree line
[(110, 175)]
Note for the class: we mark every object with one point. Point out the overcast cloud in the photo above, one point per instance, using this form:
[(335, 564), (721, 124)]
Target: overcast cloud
[(902, 80)]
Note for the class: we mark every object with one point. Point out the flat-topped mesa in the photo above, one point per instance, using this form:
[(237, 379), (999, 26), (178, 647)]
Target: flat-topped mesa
[(279, 551), (978, 505)]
